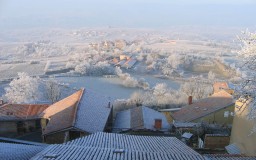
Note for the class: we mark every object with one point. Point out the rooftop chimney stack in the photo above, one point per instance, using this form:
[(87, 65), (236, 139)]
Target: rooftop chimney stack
[(158, 123), (190, 100)]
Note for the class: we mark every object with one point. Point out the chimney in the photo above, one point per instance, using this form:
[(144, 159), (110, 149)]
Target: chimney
[(1, 101), (190, 100), (158, 123)]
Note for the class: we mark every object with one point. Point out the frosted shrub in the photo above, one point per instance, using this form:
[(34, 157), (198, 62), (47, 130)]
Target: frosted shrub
[(23, 89)]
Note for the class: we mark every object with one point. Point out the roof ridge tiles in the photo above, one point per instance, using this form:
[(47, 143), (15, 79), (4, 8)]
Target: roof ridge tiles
[(76, 106)]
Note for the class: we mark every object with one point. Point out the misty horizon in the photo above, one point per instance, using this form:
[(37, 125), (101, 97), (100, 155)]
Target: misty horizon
[(135, 14)]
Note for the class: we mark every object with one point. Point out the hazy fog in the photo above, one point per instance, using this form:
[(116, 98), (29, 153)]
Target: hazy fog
[(126, 13)]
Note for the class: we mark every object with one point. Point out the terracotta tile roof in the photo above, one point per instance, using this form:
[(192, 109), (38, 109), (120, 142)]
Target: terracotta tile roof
[(21, 111), (62, 113), (218, 86), (111, 146), (204, 107), (83, 110)]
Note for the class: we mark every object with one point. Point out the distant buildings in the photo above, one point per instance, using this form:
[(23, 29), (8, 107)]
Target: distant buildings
[(124, 61), (120, 44), (219, 86)]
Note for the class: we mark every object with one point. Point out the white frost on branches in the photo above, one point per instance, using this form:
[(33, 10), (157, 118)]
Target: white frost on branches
[(129, 81), (53, 92), (159, 96), (89, 64), (23, 89), (196, 88), (247, 89), (174, 60), (211, 76)]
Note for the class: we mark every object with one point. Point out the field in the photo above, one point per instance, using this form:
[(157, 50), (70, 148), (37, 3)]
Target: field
[(59, 52)]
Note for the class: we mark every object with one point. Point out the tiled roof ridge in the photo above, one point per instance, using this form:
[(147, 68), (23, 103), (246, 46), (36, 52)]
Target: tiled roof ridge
[(76, 107)]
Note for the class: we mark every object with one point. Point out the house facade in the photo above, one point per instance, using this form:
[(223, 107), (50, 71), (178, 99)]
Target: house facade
[(242, 135), (17, 119)]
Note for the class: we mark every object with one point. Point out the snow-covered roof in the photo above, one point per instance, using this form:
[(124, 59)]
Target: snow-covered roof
[(187, 135), (169, 110), (204, 107), (111, 146), (139, 118), (92, 112), (85, 110), (10, 151), (129, 63)]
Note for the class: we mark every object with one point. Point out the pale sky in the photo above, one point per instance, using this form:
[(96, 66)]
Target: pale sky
[(126, 13)]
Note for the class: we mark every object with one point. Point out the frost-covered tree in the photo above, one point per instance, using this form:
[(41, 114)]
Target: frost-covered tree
[(149, 59), (129, 81), (143, 84), (247, 89), (82, 68), (53, 92), (189, 88), (196, 88), (211, 76), (137, 98), (174, 60), (23, 89), (160, 89)]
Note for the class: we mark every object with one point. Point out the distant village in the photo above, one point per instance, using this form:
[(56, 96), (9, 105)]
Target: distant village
[(85, 126)]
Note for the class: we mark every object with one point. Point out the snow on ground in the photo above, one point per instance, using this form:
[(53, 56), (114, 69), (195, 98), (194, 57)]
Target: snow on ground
[(10, 70), (63, 44)]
